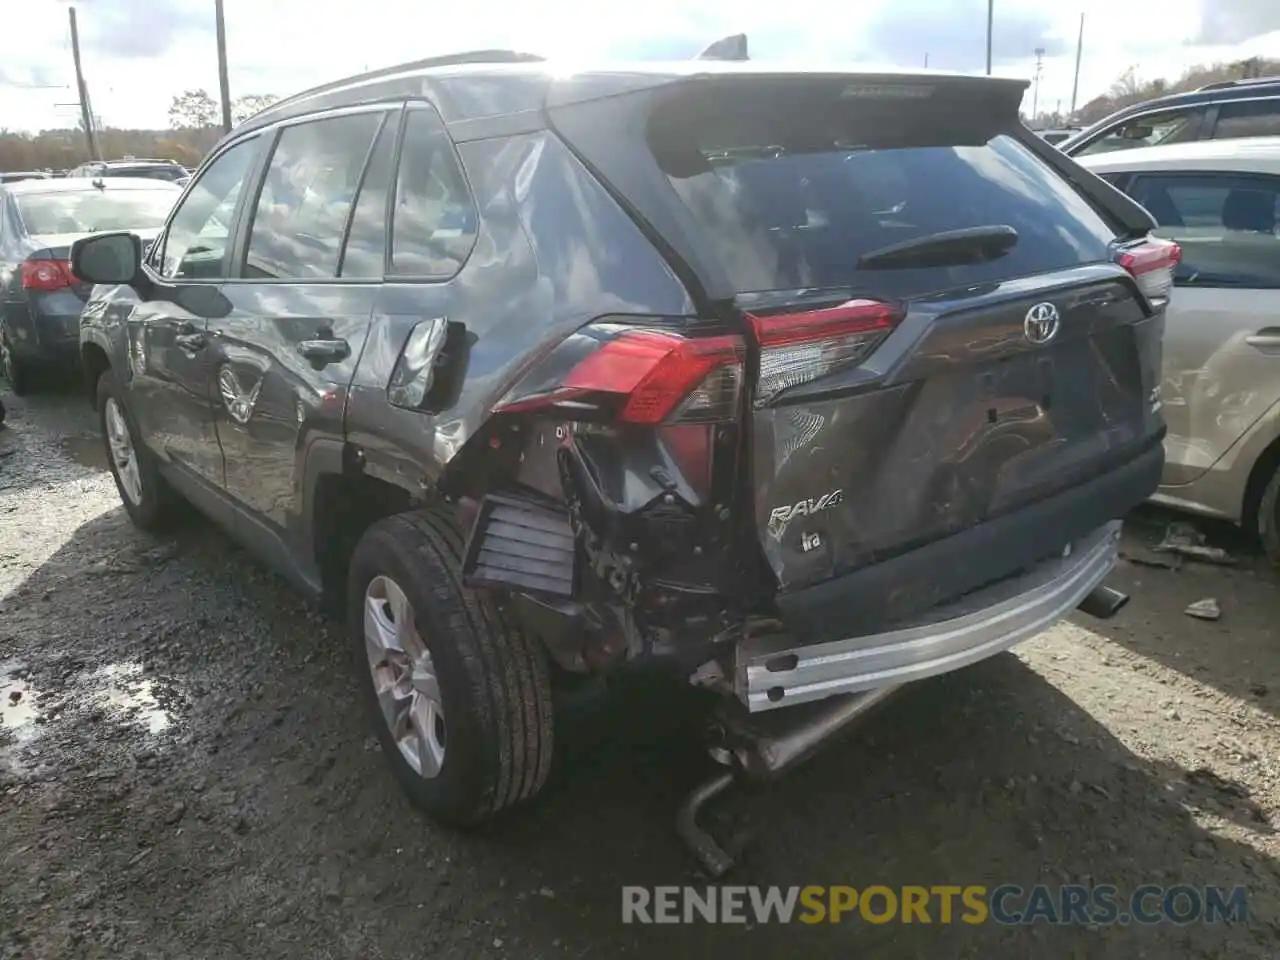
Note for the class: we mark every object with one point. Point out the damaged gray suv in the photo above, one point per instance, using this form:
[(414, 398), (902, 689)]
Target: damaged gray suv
[(800, 385)]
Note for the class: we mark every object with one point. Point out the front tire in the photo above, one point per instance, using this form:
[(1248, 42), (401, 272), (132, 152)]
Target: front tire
[(147, 496), (1267, 521), (461, 698)]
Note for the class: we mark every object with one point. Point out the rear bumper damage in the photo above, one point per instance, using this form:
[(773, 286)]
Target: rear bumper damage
[(773, 672)]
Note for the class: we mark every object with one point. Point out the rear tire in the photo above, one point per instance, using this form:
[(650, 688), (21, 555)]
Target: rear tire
[(151, 503), (489, 742), (20, 374), (1267, 521)]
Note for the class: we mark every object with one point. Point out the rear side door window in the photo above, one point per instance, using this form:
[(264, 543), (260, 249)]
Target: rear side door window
[(306, 197), (199, 232), (1152, 130), (433, 220), (365, 252), (1226, 225), (1252, 118)]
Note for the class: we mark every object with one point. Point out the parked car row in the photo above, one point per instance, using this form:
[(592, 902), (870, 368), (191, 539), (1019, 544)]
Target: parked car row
[(40, 299), (798, 386)]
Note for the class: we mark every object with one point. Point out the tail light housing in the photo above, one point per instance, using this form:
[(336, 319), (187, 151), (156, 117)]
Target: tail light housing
[(1152, 263), (641, 375), (799, 346), (46, 275)]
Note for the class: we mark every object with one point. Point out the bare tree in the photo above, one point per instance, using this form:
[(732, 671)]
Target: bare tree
[(193, 109), (242, 108)]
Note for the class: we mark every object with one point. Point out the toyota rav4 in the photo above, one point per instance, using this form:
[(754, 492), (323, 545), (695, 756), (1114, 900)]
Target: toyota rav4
[(801, 385)]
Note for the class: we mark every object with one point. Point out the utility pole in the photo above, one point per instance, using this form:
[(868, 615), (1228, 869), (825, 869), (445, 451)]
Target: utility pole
[(991, 19), (1075, 84), (224, 87), (926, 60), (1035, 96), (86, 114)]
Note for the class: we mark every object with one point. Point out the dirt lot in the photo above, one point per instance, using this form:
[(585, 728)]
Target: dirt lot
[(184, 772)]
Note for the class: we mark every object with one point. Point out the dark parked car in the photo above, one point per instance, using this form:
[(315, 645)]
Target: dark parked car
[(799, 386), (1228, 110), (148, 169), (40, 300)]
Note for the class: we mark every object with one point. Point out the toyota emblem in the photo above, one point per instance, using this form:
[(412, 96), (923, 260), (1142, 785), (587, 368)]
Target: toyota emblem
[(1042, 322)]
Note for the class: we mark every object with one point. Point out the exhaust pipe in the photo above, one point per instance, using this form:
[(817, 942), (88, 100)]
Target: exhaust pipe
[(1103, 602), (761, 747), (765, 746)]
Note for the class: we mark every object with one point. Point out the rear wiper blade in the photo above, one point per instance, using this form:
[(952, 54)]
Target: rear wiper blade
[(947, 248)]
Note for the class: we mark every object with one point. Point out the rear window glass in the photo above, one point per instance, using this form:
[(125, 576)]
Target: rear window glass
[(790, 198), (146, 172), (92, 211)]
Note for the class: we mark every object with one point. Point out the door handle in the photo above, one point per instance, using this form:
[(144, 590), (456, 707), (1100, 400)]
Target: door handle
[(1267, 339), (321, 352)]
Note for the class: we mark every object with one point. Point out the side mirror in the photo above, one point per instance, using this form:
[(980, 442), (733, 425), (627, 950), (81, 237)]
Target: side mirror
[(1136, 131), (107, 258)]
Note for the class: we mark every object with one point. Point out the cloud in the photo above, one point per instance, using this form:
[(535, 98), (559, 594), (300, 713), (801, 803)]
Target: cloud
[(955, 36), (1235, 21), (139, 53), (141, 28)]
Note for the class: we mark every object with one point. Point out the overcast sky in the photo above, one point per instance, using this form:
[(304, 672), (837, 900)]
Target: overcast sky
[(139, 53)]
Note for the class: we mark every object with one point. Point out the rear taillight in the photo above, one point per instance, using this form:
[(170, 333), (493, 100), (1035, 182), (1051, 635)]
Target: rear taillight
[(1152, 263), (637, 375), (46, 275), (800, 346)]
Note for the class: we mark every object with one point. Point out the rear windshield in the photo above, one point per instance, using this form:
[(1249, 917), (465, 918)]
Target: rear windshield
[(151, 172), (92, 211), (791, 194)]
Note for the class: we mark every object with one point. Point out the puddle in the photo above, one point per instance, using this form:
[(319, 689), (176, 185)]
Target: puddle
[(18, 714), (132, 694), (18, 710), (86, 451)]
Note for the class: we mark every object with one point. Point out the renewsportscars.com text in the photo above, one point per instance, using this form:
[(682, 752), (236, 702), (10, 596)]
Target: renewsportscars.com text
[(945, 903)]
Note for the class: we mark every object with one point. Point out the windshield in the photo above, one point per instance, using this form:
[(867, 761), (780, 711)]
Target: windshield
[(92, 211)]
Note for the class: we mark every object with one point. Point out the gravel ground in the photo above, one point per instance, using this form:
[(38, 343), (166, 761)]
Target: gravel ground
[(184, 771)]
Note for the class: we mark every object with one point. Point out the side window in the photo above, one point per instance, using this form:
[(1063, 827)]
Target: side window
[(433, 224), (1172, 126), (1255, 118), (1227, 226), (366, 251), (195, 245), (306, 196)]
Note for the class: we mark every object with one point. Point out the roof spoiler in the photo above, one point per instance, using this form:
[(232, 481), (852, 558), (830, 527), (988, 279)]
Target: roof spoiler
[(726, 48)]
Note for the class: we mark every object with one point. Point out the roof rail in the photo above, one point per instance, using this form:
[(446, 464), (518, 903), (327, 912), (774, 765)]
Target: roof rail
[(1245, 82), (447, 60)]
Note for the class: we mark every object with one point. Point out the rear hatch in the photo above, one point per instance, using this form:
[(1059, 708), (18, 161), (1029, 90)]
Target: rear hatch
[(942, 334)]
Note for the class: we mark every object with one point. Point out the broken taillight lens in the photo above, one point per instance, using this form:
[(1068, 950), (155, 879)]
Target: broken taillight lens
[(1152, 263), (635, 374), (799, 346)]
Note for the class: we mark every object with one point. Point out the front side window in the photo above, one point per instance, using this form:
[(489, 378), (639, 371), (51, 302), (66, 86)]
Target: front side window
[(306, 196), (433, 220), (1153, 130), (1226, 225), (199, 234)]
